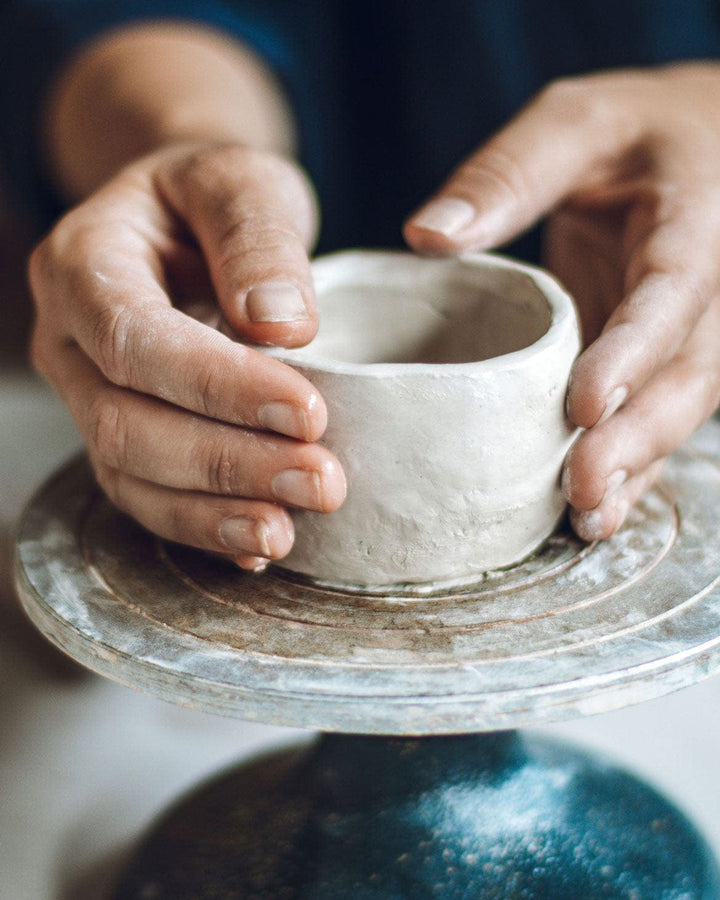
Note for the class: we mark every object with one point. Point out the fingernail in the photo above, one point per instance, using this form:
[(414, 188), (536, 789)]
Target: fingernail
[(447, 216), (614, 481), (249, 535), (615, 400), (298, 487), (275, 301), (285, 418)]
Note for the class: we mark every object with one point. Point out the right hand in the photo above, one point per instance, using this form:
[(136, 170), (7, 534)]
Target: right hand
[(201, 439), (626, 165)]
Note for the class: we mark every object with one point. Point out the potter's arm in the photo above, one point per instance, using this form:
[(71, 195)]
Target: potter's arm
[(174, 136)]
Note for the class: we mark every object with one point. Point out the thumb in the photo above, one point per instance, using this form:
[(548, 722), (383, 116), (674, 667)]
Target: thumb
[(255, 218), (564, 137)]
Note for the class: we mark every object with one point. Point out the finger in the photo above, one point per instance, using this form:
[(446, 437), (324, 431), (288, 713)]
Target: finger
[(255, 217), (548, 150), (122, 319), (649, 427), (603, 521), (188, 283), (235, 527), (584, 253), (671, 280), (159, 443), (251, 563)]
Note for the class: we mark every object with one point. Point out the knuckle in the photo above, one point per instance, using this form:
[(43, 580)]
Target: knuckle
[(502, 171), (211, 391), (223, 475), (193, 166), (221, 157), (76, 246), (240, 237), (220, 180), (49, 253), (254, 245), (237, 160), (112, 331), (578, 98), (83, 234), (66, 258), (108, 430), (207, 164), (592, 105)]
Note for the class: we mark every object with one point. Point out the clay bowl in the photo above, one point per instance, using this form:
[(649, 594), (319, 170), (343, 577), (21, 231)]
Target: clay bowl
[(445, 382)]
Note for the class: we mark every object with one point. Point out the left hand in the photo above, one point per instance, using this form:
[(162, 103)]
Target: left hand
[(627, 165)]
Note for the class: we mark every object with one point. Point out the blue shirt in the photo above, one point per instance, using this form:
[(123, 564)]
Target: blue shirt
[(390, 94)]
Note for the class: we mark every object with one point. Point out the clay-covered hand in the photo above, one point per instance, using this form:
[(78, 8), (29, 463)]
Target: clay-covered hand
[(627, 165), (202, 439)]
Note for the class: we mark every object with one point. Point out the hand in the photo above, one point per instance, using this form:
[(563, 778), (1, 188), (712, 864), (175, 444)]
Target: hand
[(627, 165), (203, 440)]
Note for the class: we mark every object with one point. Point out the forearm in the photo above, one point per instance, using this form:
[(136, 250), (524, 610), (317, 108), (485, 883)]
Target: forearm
[(140, 88)]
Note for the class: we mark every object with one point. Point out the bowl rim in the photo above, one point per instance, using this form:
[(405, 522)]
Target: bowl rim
[(563, 318)]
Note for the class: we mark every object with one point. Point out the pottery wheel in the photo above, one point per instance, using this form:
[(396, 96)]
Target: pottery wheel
[(576, 629)]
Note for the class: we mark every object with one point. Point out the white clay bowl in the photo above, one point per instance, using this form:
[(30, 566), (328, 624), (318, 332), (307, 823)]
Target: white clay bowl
[(445, 383)]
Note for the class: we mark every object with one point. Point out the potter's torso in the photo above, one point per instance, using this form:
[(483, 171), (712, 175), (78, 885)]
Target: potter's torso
[(389, 95)]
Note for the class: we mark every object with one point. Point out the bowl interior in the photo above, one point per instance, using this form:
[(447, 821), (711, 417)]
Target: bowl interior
[(412, 310)]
